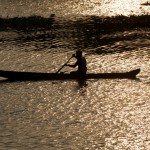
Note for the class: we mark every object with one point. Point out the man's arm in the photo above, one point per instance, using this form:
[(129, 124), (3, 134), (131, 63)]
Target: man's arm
[(73, 66)]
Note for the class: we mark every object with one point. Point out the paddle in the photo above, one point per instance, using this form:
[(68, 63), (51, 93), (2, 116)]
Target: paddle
[(65, 63)]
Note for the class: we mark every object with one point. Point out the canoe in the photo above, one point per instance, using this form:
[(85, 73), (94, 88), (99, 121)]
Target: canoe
[(146, 4), (17, 76)]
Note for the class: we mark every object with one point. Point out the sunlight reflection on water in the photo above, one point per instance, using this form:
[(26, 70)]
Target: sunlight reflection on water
[(99, 114), (73, 8), (105, 114)]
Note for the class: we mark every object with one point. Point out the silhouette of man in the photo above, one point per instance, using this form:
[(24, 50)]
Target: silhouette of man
[(81, 63)]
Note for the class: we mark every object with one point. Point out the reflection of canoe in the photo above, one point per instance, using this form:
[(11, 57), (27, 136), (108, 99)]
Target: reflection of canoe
[(14, 75)]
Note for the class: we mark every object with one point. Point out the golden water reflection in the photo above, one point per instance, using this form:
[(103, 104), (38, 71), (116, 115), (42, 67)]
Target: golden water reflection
[(115, 7), (73, 8), (106, 114), (111, 114)]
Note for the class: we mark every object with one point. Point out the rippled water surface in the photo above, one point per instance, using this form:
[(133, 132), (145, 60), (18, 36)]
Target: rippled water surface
[(72, 8), (104, 114), (97, 114)]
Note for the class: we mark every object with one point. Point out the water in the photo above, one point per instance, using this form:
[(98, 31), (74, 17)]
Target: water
[(72, 8), (98, 114)]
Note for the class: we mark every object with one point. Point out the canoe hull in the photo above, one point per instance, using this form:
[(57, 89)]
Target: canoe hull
[(15, 75)]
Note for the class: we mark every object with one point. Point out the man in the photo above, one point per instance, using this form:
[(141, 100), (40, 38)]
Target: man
[(81, 63)]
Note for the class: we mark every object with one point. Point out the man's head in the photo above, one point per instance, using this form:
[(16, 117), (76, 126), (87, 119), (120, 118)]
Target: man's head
[(79, 53)]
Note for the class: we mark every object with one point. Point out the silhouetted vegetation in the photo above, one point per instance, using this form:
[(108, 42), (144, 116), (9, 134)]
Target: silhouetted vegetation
[(26, 23), (94, 24), (86, 32), (97, 25), (91, 29)]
